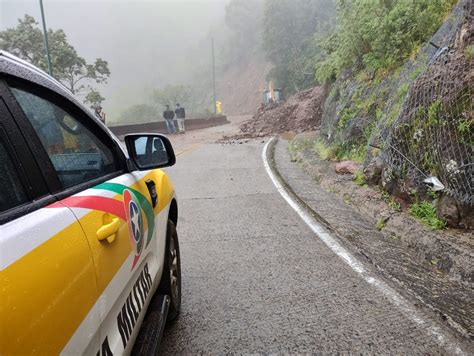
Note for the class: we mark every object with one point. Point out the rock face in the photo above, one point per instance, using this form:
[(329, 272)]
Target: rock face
[(456, 215), (373, 171), (414, 119), (466, 213), (448, 210), (347, 167)]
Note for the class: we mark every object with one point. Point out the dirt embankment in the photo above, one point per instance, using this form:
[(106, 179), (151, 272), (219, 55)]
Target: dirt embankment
[(301, 112), (240, 87)]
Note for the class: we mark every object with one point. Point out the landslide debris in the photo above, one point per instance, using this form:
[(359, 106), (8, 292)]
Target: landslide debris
[(301, 112)]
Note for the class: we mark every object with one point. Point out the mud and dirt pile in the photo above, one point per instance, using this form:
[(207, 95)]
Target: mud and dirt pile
[(301, 112)]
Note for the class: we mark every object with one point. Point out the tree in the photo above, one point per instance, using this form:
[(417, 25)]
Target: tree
[(140, 113), (292, 30), (26, 41), (172, 94), (94, 98)]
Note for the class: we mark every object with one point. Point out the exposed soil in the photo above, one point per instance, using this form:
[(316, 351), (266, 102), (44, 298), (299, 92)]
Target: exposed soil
[(240, 87), (301, 112)]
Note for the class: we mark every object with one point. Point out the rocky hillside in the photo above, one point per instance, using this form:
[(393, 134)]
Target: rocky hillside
[(406, 125), (418, 121)]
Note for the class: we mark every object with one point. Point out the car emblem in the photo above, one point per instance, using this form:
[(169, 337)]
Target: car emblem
[(133, 212)]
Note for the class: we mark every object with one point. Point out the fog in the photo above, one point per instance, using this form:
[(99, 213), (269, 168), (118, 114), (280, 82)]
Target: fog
[(147, 44)]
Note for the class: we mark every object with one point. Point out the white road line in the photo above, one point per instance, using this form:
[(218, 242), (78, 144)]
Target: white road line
[(393, 296)]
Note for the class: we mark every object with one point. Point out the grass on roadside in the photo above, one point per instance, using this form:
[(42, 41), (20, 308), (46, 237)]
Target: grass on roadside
[(298, 145), (381, 224), (340, 152), (426, 213), (391, 202), (359, 178), (322, 150)]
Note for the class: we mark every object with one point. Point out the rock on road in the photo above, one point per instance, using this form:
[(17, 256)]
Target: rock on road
[(256, 279)]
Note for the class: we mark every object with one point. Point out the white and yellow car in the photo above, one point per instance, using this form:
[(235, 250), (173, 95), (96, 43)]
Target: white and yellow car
[(88, 236)]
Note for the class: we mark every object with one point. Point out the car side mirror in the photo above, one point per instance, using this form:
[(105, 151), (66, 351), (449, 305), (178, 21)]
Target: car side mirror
[(149, 151)]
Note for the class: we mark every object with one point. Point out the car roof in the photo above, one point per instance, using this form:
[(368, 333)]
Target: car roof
[(16, 67), (13, 66)]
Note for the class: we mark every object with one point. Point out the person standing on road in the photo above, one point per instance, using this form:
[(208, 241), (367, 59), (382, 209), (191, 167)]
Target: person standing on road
[(180, 116), (99, 113), (168, 115)]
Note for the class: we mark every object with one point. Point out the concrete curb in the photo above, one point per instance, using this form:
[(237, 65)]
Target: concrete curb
[(301, 202), (365, 255)]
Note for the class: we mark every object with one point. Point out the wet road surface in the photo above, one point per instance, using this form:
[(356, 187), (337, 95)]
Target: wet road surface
[(256, 279)]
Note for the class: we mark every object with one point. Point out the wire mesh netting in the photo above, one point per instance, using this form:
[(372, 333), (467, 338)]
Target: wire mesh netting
[(434, 131)]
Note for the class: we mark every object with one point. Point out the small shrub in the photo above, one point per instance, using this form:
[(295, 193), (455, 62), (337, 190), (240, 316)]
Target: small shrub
[(299, 145), (391, 202), (346, 115), (432, 194), (464, 126), (324, 152), (426, 213), (359, 178), (355, 153), (347, 199), (434, 112), (469, 52), (381, 224), (403, 90)]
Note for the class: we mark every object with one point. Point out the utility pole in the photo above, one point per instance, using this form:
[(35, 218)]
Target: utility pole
[(45, 35), (214, 76)]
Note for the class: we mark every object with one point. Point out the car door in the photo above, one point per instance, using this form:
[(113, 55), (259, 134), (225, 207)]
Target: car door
[(114, 209), (46, 269)]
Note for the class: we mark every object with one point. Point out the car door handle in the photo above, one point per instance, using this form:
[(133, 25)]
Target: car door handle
[(108, 231)]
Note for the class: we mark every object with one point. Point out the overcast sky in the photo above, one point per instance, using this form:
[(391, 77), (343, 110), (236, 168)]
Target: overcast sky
[(144, 41)]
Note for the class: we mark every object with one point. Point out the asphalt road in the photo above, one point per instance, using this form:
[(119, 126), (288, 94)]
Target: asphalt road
[(256, 279)]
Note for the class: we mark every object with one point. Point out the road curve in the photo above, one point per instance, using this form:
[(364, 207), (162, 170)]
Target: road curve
[(256, 279)]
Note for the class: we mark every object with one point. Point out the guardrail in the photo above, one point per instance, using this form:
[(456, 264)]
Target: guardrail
[(160, 126)]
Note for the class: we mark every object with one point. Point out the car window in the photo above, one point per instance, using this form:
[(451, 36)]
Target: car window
[(12, 192), (76, 153)]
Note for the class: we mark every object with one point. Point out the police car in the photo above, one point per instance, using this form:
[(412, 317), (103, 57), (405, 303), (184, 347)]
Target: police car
[(88, 238)]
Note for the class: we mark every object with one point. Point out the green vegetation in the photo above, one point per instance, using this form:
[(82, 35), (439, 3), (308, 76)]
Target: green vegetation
[(426, 213), (347, 199), (339, 152), (374, 35), (171, 94), (359, 178), (432, 194), (292, 34), (434, 112), (298, 145), (352, 152), (391, 202), (26, 41), (324, 152), (469, 52), (381, 223), (403, 90), (140, 113), (465, 125), (347, 115)]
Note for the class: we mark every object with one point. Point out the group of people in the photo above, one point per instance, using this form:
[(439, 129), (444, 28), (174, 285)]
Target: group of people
[(169, 115)]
